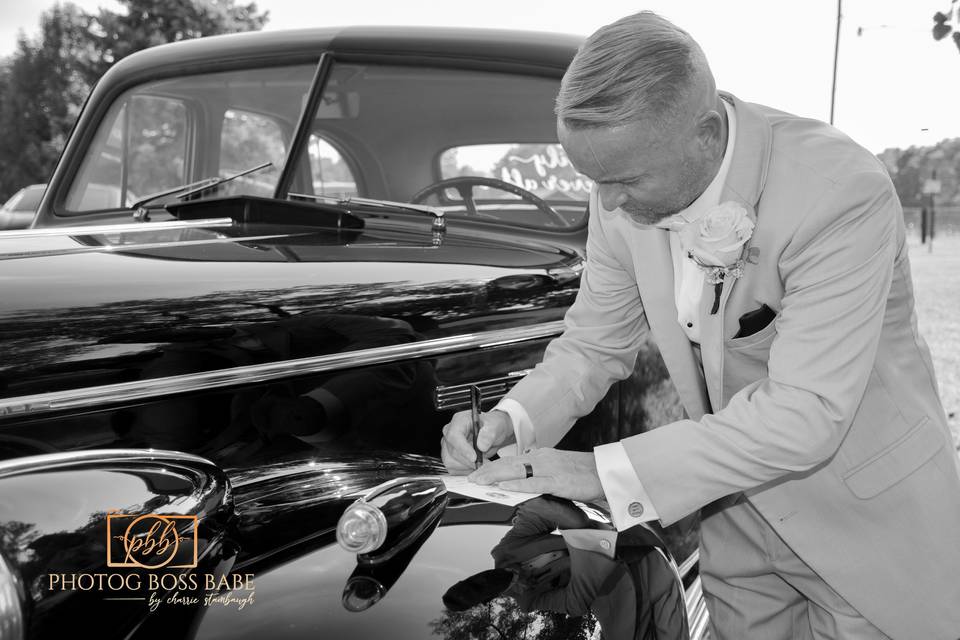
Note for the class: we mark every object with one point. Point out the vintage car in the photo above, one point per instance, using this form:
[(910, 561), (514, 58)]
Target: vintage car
[(20, 208), (266, 271)]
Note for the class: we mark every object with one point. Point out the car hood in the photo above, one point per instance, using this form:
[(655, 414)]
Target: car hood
[(307, 586), (304, 598)]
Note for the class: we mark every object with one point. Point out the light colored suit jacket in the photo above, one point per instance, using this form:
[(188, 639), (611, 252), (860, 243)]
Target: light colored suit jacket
[(828, 419)]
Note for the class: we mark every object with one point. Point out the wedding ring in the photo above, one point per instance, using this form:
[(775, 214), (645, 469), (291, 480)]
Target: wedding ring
[(527, 470)]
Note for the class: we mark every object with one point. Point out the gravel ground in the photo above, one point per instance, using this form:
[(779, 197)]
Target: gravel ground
[(936, 278)]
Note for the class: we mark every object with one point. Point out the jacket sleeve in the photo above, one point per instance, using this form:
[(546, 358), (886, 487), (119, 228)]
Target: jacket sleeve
[(836, 271), (604, 329)]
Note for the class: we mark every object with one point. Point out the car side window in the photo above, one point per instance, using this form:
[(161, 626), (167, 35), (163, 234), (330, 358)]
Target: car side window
[(142, 151), (248, 139)]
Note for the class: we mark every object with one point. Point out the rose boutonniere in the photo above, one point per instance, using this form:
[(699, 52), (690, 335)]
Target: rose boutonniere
[(715, 242)]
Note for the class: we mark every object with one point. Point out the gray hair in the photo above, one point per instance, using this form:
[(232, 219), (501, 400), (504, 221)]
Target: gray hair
[(641, 66)]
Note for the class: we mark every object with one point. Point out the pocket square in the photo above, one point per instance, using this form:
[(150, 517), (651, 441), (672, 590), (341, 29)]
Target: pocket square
[(753, 321)]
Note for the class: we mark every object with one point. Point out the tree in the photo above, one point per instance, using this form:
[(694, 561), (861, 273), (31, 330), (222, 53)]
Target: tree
[(40, 96), (942, 27), (148, 23), (501, 619), (910, 168), (43, 84)]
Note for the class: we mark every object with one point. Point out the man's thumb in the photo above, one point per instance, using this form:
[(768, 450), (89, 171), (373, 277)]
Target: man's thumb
[(487, 437)]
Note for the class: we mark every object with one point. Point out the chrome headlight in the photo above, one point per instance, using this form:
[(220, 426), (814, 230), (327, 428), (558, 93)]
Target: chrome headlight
[(390, 516), (362, 528)]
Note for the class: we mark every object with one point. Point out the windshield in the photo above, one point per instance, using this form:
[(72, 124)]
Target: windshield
[(173, 132), (380, 131), (392, 132)]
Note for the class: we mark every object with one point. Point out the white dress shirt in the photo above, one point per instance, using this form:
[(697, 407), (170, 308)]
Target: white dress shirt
[(628, 501)]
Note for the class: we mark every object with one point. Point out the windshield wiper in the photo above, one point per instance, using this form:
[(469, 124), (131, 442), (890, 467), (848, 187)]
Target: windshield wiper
[(219, 181), (438, 220), (193, 188)]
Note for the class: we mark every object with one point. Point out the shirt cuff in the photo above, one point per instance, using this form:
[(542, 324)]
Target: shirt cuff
[(629, 503), (526, 440)]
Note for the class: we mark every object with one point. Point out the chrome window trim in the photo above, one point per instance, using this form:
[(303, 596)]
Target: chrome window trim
[(90, 397), (116, 228), (49, 461)]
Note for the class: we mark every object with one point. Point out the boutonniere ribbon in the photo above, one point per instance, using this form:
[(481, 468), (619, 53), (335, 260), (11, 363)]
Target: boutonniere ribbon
[(716, 243)]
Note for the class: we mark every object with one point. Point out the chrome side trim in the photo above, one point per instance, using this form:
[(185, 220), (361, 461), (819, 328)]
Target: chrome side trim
[(457, 396), (50, 461), (89, 397), (13, 624), (116, 228)]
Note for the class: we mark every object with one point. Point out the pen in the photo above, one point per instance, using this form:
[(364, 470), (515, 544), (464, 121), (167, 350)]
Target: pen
[(475, 421)]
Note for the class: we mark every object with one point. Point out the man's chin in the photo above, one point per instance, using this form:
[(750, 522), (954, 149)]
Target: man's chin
[(647, 218)]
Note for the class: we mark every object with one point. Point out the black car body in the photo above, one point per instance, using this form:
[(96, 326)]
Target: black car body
[(246, 357)]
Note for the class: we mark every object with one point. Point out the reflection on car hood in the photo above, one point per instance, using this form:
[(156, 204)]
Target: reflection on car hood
[(115, 307), (307, 586), (382, 239)]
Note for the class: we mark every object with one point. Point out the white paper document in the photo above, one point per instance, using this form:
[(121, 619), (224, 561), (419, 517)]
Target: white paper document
[(490, 493)]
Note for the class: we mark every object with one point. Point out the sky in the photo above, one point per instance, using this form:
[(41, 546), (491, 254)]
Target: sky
[(895, 84)]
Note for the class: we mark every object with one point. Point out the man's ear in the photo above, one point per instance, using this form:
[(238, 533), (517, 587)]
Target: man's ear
[(710, 132)]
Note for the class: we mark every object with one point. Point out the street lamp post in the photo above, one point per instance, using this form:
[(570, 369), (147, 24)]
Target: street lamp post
[(836, 55)]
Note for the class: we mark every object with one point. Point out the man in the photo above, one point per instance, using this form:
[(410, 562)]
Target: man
[(767, 254)]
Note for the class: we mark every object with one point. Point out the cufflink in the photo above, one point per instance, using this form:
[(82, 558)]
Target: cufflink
[(635, 509)]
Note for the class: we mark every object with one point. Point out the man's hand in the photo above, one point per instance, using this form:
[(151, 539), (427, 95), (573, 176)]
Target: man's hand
[(456, 447), (565, 474)]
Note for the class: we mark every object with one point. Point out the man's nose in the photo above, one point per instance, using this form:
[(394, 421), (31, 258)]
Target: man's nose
[(612, 196)]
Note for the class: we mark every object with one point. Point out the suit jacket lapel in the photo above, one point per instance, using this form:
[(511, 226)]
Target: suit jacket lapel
[(744, 184), (751, 154), (655, 283)]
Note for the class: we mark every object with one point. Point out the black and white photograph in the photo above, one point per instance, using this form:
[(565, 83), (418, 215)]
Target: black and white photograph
[(480, 320)]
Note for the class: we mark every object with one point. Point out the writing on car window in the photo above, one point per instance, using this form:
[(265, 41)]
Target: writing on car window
[(542, 169)]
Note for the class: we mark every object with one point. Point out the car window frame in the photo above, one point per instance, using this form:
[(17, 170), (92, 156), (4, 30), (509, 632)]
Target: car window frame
[(52, 208), (193, 115)]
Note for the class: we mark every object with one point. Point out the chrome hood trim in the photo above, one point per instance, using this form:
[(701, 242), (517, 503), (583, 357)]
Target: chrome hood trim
[(130, 227), (322, 479), (119, 248), (51, 461)]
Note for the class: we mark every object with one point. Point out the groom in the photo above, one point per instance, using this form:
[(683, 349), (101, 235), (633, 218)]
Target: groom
[(766, 253)]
